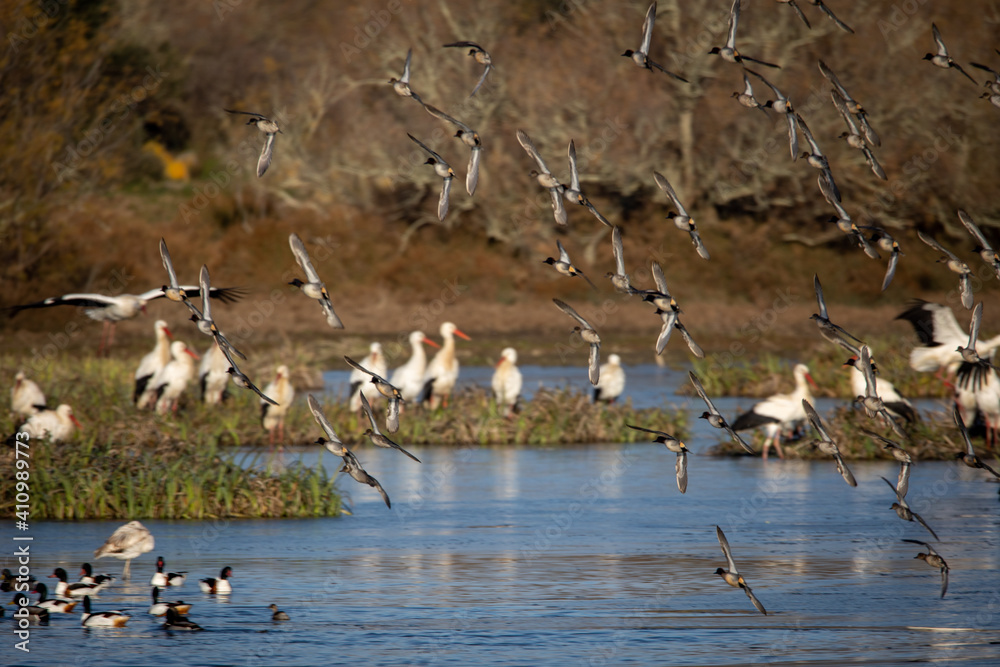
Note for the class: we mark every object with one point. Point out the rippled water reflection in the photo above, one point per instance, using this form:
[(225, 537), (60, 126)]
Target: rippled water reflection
[(570, 555)]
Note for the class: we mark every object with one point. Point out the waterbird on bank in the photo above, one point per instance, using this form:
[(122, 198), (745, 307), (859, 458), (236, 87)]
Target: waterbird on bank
[(968, 455), (573, 194), (677, 447), (177, 621), (933, 559), (402, 85), (612, 382), (269, 129), (273, 412), (151, 365), (482, 57), (941, 58), (544, 177), (441, 373), (76, 589), (507, 382), (353, 468), (220, 585), (853, 106), (827, 444), (26, 397), (955, 265), (277, 614), (160, 608), (163, 579), (898, 453), (53, 425), (213, 375), (732, 575), (904, 512), (102, 619), (53, 606), (375, 436), (410, 376), (372, 364), (682, 219), (729, 53), (983, 247), (127, 543), (332, 442), (564, 265), (442, 169), (779, 412), (853, 135), (314, 288), (640, 56), (589, 336), (782, 105), (172, 380), (471, 139), (204, 321), (713, 416)]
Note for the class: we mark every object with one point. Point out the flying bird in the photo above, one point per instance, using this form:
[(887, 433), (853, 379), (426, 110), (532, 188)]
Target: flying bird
[(376, 436), (442, 169), (482, 57), (241, 380), (269, 129), (933, 559), (619, 278), (573, 194), (681, 219), (314, 288), (402, 85), (783, 105), (828, 445), (353, 468), (898, 453), (564, 265), (853, 106), (677, 447), (968, 455), (713, 416), (983, 247), (392, 394), (641, 55), (588, 335), (941, 58), (545, 177), (729, 53), (732, 575), (471, 139), (904, 512), (956, 266)]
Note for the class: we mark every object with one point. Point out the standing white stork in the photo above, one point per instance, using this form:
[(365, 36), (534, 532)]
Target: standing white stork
[(213, 375), (127, 542), (376, 362), (410, 376), (507, 382), (442, 372), (170, 383), (272, 417), (612, 382), (151, 364), (778, 412), (55, 425), (26, 397)]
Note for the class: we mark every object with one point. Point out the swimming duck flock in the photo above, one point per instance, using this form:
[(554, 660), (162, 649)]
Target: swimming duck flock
[(165, 372)]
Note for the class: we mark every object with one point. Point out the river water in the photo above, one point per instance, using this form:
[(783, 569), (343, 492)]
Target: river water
[(584, 555)]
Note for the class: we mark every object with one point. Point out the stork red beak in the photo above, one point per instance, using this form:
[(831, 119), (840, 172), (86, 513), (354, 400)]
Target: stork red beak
[(193, 354), (78, 425), (168, 332), (460, 334), (430, 342), (811, 381)]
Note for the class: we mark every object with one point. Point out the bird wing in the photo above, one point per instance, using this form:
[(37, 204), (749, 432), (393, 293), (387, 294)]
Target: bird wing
[(890, 269), (167, 264), (302, 257), (443, 200), (693, 346), (974, 324), (960, 423), (392, 416), (815, 420), (798, 11), (669, 322), (320, 417), (841, 106), (701, 392), (809, 137), (753, 598), (594, 370), (472, 177), (840, 24), (574, 174), (265, 154), (899, 498), (866, 368), (974, 229), (903, 480), (734, 19), (939, 43), (434, 111), (659, 278), (725, 545), (649, 430), (919, 519), (406, 67), (698, 245), (205, 284), (647, 29), (529, 147), (937, 246), (618, 250), (819, 298), (664, 185), (793, 136), (368, 411), (482, 80), (558, 210), (563, 255), (681, 468), (245, 113)]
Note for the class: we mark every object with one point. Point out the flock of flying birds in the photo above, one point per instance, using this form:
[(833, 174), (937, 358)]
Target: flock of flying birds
[(974, 358)]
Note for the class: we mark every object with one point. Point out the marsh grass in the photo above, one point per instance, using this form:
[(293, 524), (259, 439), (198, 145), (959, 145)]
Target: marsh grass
[(769, 374)]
